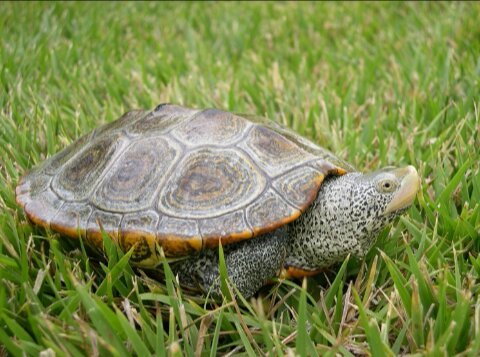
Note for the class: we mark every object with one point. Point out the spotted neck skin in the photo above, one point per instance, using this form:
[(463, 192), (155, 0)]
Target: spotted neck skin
[(347, 216)]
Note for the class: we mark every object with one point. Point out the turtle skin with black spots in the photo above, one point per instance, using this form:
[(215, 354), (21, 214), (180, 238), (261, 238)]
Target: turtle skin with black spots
[(250, 264)]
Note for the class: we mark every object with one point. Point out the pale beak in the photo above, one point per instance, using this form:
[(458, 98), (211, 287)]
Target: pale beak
[(409, 186)]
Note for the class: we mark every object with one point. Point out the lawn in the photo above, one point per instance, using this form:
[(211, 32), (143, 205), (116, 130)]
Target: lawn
[(378, 84)]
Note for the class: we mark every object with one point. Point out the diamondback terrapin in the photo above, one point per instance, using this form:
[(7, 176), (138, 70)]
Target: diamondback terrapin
[(184, 180)]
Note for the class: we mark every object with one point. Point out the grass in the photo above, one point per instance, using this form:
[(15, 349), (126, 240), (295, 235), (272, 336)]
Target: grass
[(379, 84)]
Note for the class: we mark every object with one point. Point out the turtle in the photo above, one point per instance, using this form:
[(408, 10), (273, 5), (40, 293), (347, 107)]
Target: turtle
[(176, 182)]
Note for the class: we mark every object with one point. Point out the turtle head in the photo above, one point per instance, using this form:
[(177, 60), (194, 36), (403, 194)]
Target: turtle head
[(394, 188), (376, 199)]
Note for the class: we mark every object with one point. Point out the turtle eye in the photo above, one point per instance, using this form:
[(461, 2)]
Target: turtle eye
[(387, 186)]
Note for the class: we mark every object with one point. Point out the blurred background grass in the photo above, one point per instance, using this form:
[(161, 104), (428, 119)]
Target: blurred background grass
[(378, 84)]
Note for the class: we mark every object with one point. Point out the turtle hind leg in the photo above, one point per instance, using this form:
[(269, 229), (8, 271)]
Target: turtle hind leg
[(250, 264), (255, 262)]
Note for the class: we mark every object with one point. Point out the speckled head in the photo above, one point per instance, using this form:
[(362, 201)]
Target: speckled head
[(382, 196), (348, 214)]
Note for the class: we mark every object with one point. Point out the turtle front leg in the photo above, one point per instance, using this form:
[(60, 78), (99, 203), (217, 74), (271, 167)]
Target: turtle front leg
[(250, 264)]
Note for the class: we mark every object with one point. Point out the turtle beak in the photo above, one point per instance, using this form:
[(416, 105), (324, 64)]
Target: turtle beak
[(409, 186)]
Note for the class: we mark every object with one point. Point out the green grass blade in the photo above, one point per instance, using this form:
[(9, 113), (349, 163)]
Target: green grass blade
[(375, 343), (137, 343)]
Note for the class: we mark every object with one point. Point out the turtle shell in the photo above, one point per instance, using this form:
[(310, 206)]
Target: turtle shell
[(177, 178)]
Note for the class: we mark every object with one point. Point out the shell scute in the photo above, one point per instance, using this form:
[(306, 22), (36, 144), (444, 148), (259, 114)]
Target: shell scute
[(77, 179), (228, 228), (98, 220), (122, 123), (178, 236), (270, 211), (299, 187), (130, 184), (43, 207), (56, 162), (72, 219), (210, 182), (211, 127), (161, 120), (274, 153), (138, 230)]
